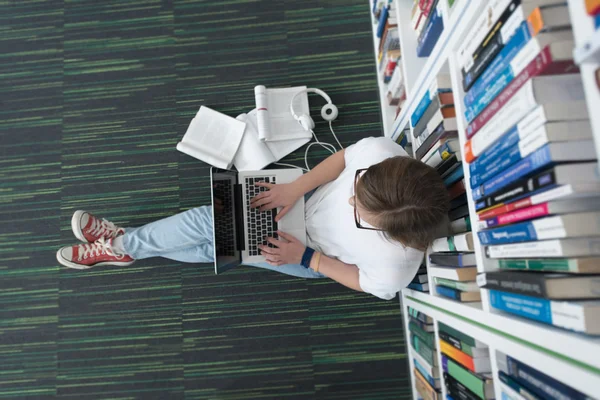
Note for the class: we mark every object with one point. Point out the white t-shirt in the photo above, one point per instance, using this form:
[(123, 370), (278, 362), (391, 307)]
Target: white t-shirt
[(385, 267)]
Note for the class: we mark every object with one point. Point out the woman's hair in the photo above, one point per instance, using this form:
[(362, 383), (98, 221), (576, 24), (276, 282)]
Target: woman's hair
[(407, 197)]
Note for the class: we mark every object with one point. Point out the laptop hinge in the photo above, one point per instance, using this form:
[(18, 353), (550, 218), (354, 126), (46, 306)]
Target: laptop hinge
[(239, 217)]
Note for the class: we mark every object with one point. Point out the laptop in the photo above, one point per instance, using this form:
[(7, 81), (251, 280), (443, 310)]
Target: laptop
[(238, 230)]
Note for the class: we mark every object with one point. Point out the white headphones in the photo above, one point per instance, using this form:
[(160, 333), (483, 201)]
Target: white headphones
[(329, 112)]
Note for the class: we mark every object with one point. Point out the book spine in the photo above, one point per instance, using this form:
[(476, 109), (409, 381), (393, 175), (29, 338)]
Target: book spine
[(457, 355), (422, 106), (432, 108), (520, 283), (425, 351), (520, 189), (494, 43), (503, 61), (540, 264), (560, 314), (382, 20), (516, 387), (529, 164), (540, 383), (535, 211), (427, 337), (470, 381), (450, 339), (508, 140), (421, 287), (457, 334), (479, 31), (458, 174), (458, 390), (451, 243), (503, 161), (448, 292), (541, 229), (431, 139), (534, 68), (431, 33), (423, 372)]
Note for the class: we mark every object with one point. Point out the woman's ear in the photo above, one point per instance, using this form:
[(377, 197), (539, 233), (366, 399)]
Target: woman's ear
[(351, 201)]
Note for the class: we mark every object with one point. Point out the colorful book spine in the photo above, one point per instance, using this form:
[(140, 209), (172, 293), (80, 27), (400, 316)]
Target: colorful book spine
[(540, 383), (547, 264), (520, 391), (456, 390), (454, 177), (525, 214), (486, 82), (543, 63), (469, 380), (564, 314), (426, 337), (421, 287), (424, 103), (423, 371), (538, 159), (457, 334), (457, 355), (448, 292), (425, 351), (493, 44), (431, 33), (382, 20), (522, 129)]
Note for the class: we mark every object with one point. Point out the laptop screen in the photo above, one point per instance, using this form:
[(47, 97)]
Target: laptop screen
[(224, 226)]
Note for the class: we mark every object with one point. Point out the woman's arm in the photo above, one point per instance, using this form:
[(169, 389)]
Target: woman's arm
[(346, 274), (327, 171)]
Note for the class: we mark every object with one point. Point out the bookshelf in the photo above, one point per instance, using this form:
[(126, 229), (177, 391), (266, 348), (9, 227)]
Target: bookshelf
[(568, 357)]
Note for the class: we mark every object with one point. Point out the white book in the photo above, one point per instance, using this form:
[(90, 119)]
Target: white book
[(462, 242), (554, 132), (450, 124), (509, 393), (275, 120), (253, 154), (480, 29), (212, 137), (459, 226), (561, 98), (571, 247)]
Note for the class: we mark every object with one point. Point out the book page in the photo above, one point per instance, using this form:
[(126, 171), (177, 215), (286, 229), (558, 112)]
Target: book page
[(275, 120), (213, 134), (253, 154)]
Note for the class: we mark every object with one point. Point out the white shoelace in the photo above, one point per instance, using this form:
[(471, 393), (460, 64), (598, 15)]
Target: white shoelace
[(103, 228), (97, 248)]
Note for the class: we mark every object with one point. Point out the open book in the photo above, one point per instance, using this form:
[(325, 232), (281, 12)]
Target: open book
[(274, 119), (212, 137), (254, 154)]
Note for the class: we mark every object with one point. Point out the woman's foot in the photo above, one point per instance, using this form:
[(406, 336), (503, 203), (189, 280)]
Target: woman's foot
[(89, 255), (88, 228)]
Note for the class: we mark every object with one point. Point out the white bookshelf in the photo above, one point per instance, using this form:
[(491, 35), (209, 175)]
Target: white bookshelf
[(566, 356)]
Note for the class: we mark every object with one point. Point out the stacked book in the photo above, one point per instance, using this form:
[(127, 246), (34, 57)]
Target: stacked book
[(593, 9), (422, 340), (453, 268), (434, 120), (520, 381), (466, 364), (402, 140), (419, 282), (532, 164), (428, 24), (396, 91)]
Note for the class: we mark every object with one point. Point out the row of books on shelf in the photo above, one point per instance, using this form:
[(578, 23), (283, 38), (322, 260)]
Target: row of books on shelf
[(428, 25), (532, 163), (466, 367)]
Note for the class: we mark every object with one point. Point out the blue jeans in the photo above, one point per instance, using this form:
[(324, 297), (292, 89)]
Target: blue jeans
[(187, 237)]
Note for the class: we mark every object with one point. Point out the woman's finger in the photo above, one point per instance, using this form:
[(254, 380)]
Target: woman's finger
[(269, 250), (274, 242), (258, 197), (264, 184), (273, 259), (262, 202)]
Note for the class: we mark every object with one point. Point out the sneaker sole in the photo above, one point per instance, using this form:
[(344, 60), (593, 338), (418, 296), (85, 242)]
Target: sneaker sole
[(75, 226), (69, 264)]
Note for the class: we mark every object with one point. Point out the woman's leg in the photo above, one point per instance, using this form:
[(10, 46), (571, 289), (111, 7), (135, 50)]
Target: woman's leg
[(186, 237)]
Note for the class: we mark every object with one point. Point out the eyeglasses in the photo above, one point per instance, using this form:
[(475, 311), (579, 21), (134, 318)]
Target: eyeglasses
[(356, 216)]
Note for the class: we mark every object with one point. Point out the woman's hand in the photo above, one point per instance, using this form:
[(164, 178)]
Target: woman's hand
[(279, 195), (287, 250)]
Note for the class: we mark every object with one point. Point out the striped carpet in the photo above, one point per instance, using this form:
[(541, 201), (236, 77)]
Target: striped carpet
[(94, 95)]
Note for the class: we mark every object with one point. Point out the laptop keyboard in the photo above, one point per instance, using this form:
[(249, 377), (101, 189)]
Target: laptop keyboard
[(260, 224), (224, 233)]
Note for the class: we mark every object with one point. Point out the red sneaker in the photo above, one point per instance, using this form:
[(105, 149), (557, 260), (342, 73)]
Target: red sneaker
[(89, 255), (88, 228)]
